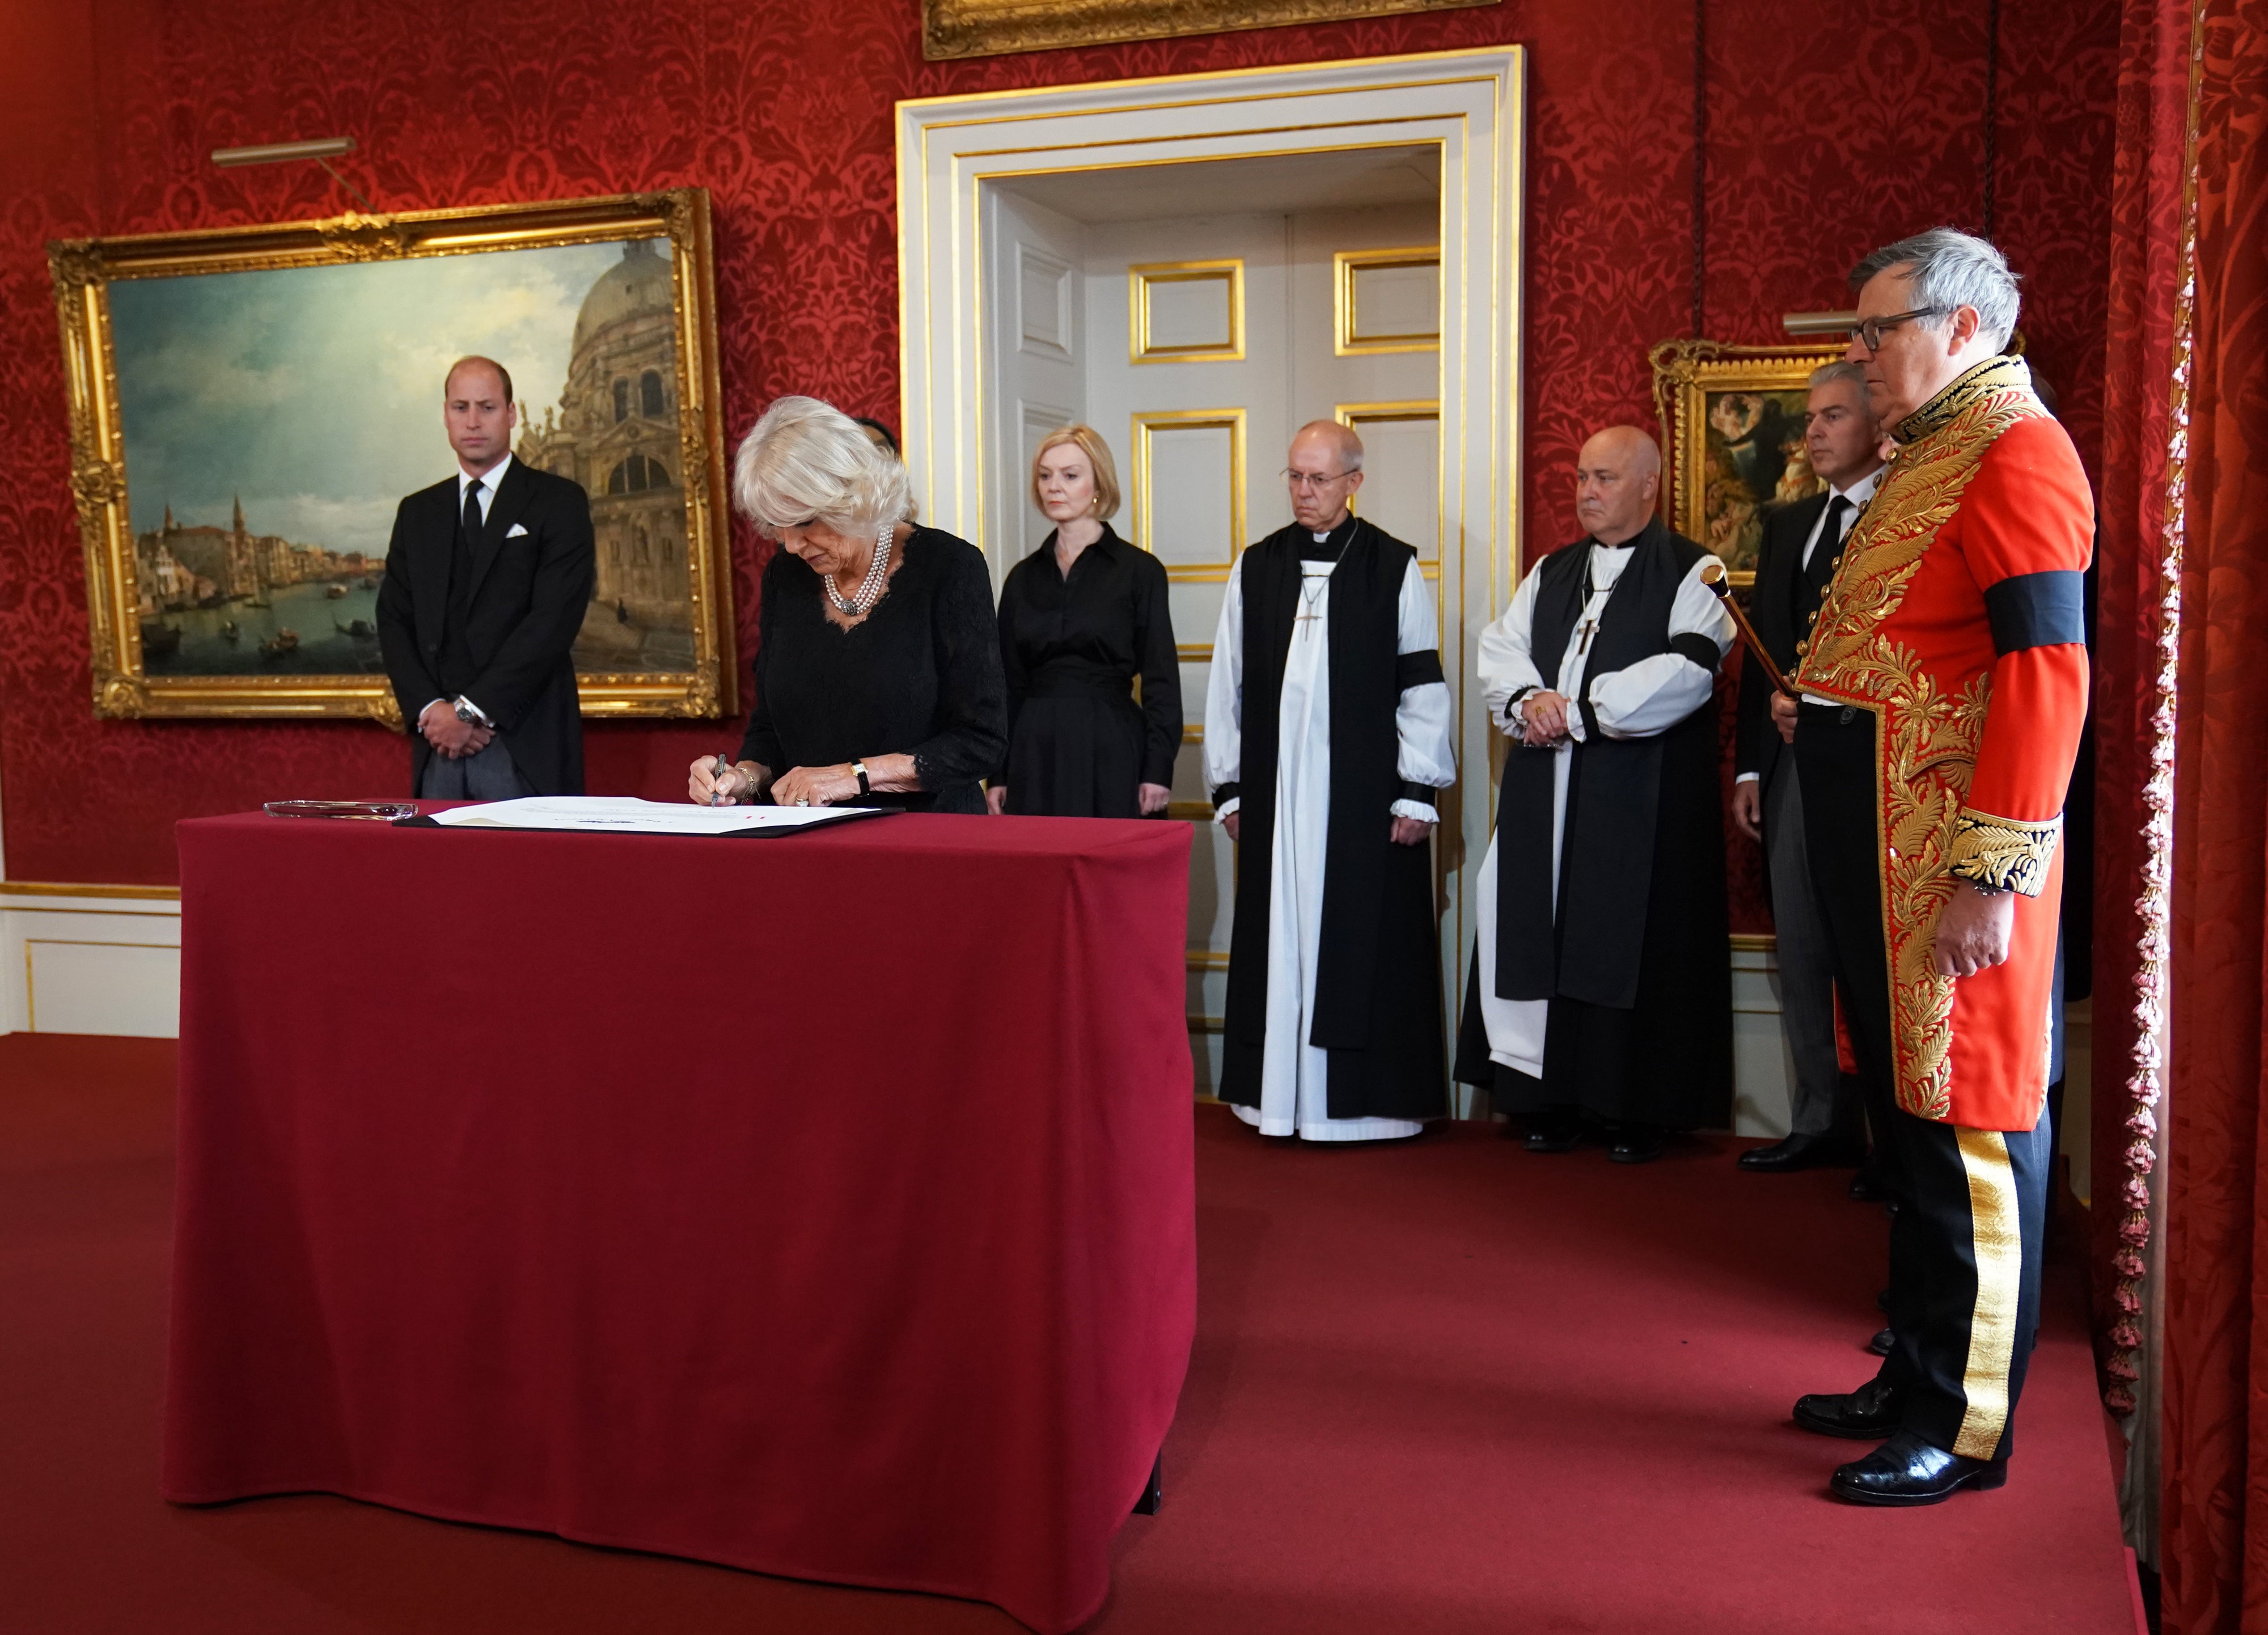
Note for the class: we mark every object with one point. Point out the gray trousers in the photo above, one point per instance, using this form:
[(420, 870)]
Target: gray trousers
[(488, 776), (1824, 1100)]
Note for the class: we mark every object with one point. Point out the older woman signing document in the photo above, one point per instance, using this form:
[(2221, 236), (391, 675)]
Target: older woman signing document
[(878, 661)]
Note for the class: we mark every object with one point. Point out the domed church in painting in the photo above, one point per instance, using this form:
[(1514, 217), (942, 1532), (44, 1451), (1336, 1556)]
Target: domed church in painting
[(615, 432)]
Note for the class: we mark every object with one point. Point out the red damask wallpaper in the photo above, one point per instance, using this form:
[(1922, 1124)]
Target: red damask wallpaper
[(1829, 131)]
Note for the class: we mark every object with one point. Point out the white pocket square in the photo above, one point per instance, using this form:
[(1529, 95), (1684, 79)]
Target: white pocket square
[(515, 532)]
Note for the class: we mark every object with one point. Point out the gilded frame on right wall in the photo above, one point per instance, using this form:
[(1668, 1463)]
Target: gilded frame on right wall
[(1732, 431)]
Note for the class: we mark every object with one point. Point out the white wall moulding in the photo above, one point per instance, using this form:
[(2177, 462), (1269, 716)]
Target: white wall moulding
[(1186, 312), (1388, 301), (90, 959)]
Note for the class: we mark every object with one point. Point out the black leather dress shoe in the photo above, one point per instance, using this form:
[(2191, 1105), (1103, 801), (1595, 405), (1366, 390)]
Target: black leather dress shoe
[(1881, 1343), (1638, 1144), (1906, 1470), (1553, 1135), (1798, 1152), (1869, 1414)]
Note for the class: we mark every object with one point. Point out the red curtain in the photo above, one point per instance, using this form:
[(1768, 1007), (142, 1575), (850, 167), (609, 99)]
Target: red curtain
[(2216, 1364)]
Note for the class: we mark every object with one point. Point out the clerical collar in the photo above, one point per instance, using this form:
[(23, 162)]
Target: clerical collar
[(1326, 546), (1652, 524)]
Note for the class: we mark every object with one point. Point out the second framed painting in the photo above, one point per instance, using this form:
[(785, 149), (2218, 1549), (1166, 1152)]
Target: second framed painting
[(248, 407), (1732, 420)]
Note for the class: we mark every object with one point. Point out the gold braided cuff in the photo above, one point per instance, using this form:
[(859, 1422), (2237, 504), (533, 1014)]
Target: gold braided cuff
[(2002, 854)]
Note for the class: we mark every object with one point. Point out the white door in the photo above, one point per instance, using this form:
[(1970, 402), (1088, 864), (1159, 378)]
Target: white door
[(1037, 359)]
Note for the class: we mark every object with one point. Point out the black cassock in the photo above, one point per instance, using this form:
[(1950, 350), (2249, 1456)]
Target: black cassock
[(1078, 746), (1377, 1004), (1633, 956)]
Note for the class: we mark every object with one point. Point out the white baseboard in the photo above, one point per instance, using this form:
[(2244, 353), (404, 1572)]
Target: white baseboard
[(89, 959)]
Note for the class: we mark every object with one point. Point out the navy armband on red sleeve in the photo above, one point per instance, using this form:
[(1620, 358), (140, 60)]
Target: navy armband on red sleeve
[(2036, 610)]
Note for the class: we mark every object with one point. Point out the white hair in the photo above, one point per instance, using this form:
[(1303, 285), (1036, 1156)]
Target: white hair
[(808, 461), (1951, 270)]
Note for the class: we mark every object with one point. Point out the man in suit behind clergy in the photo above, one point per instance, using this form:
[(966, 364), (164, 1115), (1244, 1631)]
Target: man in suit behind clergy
[(1326, 732), (487, 578), (1801, 544)]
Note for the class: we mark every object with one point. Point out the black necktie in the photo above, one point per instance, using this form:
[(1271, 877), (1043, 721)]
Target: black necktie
[(461, 559), (1820, 569)]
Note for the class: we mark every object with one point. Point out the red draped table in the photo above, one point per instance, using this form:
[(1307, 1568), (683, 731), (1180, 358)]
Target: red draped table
[(821, 1204)]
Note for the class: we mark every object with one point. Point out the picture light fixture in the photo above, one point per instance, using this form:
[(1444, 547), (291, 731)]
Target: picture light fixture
[(322, 150)]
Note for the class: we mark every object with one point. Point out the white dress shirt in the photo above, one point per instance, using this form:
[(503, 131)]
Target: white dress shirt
[(1858, 493)]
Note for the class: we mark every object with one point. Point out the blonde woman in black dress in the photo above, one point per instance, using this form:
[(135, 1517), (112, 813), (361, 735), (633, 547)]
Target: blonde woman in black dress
[(1080, 618)]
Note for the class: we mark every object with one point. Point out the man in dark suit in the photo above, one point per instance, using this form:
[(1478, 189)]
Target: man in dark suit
[(1801, 544), (487, 578)]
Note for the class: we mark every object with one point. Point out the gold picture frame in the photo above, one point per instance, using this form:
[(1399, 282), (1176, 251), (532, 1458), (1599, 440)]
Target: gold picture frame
[(1732, 429), (669, 649), (962, 28)]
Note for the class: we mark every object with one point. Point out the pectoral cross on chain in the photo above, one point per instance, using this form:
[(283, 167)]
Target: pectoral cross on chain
[(1586, 629)]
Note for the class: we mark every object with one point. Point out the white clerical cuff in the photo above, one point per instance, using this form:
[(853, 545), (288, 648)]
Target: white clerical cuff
[(1415, 809), (1748, 778), (1228, 808)]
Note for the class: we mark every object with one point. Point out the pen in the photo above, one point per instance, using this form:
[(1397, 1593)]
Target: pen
[(716, 796)]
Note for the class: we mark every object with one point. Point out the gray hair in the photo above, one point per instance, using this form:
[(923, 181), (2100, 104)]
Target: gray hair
[(1951, 270), (1841, 369), (808, 461)]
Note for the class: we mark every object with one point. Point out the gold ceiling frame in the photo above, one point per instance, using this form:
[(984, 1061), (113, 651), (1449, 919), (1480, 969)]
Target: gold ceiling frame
[(1147, 423), (1354, 416), (1472, 105), (82, 271), (1143, 276), (1348, 339)]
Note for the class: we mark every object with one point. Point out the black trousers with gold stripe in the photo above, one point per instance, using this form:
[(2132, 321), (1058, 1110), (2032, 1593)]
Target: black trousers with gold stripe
[(1965, 1245)]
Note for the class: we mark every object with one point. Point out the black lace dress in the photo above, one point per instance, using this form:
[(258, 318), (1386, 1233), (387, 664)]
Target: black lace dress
[(919, 675), (1078, 745)]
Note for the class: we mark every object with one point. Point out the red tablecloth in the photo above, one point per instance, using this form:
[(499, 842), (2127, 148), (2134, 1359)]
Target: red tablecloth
[(822, 1205)]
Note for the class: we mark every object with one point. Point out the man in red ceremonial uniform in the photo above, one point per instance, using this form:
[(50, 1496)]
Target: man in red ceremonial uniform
[(1944, 686)]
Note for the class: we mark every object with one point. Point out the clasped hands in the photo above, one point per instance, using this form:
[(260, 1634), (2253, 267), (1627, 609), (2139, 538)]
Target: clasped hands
[(1543, 719), (802, 785), (450, 735)]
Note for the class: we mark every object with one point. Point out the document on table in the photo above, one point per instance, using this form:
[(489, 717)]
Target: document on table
[(623, 814)]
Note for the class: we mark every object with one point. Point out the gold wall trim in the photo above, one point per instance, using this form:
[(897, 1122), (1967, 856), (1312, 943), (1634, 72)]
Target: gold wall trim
[(1207, 959), (966, 28), (1148, 421), (58, 889), (1191, 810), (81, 271), (1349, 338), (1208, 1025), (1193, 652), (1142, 278), (1755, 942)]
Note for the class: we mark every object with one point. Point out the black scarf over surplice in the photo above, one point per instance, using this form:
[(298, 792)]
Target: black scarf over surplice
[(1378, 991), (1633, 954)]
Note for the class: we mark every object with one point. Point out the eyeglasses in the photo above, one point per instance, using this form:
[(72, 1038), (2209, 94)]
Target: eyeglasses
[(1306, 484), (1870, 330)]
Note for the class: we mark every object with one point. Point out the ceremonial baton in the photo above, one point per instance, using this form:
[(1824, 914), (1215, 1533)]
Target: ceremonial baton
[(1713, 575)]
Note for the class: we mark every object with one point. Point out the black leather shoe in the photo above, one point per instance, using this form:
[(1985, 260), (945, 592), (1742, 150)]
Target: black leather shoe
[(1869, 1413), (1798, 1152), (1881, 1343), (1638, 1144), (1906, 1470), (1553, 1135)]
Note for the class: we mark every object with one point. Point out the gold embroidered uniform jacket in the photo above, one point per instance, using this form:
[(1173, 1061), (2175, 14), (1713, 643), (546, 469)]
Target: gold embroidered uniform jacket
[(1956, 616)]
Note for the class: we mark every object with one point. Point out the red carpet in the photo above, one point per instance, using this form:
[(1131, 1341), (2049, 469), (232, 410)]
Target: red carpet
[(1448, 1388)]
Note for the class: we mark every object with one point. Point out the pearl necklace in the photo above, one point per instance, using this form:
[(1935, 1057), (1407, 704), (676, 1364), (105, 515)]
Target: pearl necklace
[(869, 588)]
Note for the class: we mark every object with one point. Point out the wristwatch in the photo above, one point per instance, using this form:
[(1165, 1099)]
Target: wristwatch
[(469, 712), (859, 766)]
